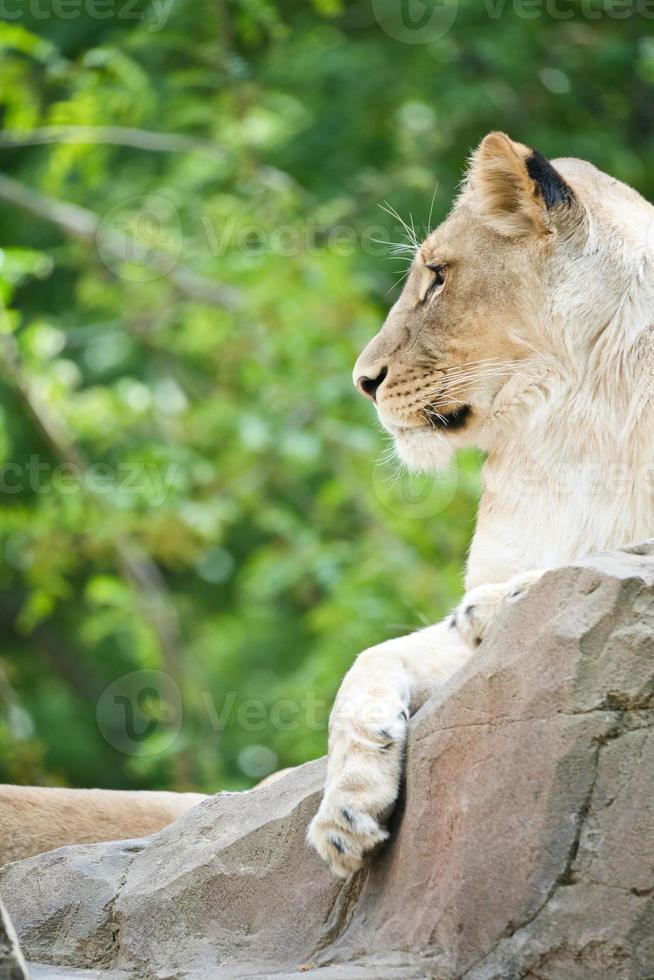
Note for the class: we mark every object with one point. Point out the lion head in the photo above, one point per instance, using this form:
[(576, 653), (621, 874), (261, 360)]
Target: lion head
[(529, 265)]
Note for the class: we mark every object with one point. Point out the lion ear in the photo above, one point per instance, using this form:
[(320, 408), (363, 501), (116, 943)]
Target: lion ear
[(515, 187)]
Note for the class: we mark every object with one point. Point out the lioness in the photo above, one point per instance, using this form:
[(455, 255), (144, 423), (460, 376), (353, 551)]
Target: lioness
[(34, 819), (39, 818), (526, 328)]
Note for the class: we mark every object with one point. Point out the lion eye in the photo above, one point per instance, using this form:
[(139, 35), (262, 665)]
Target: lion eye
[(437, 281)]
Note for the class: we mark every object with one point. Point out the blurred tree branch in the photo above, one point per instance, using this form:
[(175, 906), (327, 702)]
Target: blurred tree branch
[(83, 223), (139, 139)]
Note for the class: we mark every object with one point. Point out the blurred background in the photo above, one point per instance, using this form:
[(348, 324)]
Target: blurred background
[(200, 523)]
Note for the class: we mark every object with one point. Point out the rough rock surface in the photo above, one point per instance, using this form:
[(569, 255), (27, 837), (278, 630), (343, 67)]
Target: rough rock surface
[(12, 964), (523, 846)]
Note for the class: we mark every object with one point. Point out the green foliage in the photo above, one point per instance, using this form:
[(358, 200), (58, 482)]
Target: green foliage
[(188, 481)]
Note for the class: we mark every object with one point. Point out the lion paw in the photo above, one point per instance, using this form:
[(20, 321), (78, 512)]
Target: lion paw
[(367, 763), (344, 835), (481, 606)]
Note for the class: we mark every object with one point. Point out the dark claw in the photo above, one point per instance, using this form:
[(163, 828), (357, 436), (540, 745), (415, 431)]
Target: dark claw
[(468, 611), (348, 815), (338, 844), (452, 621)]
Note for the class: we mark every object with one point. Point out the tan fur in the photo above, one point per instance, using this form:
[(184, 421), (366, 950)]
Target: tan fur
[(506, 194), (35, 819), (486, 324), (525, 328)]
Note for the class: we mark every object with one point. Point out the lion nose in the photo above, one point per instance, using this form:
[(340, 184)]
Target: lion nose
[(369, 386)]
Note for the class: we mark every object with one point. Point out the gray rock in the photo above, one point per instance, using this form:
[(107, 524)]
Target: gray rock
[(522, 846), (12, 964)]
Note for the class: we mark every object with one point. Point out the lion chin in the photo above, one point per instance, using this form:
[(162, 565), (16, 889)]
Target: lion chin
[(423, 449), (429, 447)]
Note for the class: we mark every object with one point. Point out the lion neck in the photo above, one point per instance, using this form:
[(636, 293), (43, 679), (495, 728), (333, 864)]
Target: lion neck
[(571, 468)]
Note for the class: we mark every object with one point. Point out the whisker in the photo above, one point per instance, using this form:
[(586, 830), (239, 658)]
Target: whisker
[(410, 232), (469, 364), (433, 407), (482, 369), (468, 383), (430, 413), (395, 246), (493, 364), (431, 209), (475, 375), (450, 376), (463, 382), (390, 457), (482, 360), (397, 282), (414, 237), (387, 454)]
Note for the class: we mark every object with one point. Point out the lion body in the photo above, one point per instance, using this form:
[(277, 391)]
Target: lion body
[(526, 328), (36, 818)]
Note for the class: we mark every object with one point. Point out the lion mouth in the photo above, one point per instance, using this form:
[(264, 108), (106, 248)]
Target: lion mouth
[(447, 421)]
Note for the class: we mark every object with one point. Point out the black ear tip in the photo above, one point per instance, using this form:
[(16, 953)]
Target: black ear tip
[(552, 186)]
